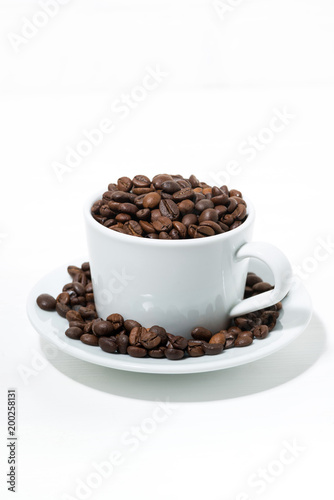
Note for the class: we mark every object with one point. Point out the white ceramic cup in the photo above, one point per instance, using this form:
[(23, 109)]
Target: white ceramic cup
[(180, 284)]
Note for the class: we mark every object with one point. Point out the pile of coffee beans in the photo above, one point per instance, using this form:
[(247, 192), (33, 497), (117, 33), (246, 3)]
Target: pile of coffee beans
[(127, 336), (169, 207)]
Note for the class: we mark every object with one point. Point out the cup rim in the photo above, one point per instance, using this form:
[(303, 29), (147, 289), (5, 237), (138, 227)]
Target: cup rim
[(114, 235)]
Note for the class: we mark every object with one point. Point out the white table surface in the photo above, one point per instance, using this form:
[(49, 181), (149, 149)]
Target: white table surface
[(226, 78)]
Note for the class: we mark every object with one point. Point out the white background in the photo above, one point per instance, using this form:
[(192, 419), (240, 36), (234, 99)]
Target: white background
[(226, 75)]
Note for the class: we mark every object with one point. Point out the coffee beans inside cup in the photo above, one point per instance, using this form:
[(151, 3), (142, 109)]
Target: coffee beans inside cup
[(116, 335), (169, 207)]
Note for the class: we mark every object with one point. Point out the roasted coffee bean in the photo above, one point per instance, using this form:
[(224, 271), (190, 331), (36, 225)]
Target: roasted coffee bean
[(170, 187), (239, 213), (107, 344), (189, 219), (220, 199), (159, 352), (261, 332), (116, 320), (162, 224), (184, 194), (64, 298), (151, 200), (122, 342), (176, 341), (143, 214), (46, 302), (159, 330), (212, 349), (121, 197), (134, 228), (262, 287), (124, 184), (174, 354), (208, 214), (243, 339), (135, 335), (141, 181), (204, 231), (74, 316), (213, 225), (102, 328), (203, 205), (149, 339), (201, 333), (158, 180), (87, 313), (73, 270), (192, 229), (105, 211), (235, 192), (130, 323), (76, 324), (218, 338), (138, 201), (180, 228), (136, 352), (230, 339), (195, 348), (62, 309), (164, 236), (88, 327), (123, 218), (231, 205), (186, 207), (193, 181), (169, 208), (138, 191), (221, 211), (74, 333), (96, 207), (146, 226), (243, 323), (89, 339), (128, 208)]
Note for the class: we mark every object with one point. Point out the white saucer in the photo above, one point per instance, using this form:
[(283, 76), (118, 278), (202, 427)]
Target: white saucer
[(296, 314)]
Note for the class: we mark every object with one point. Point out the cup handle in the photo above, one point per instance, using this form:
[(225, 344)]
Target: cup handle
[(279, 265)]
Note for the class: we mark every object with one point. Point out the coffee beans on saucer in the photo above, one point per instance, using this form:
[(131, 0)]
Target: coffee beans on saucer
[(169, 207), (116, 335)]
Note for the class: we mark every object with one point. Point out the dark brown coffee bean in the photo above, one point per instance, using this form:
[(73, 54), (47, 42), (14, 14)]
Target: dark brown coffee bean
[(192, 229), (158, 180), (214, 225), (105, 211), (180, 228), (74, 333), (174, 354), (170, 187), (234, 330), (218, 338), (141, 181), (252, 279), (74, 316), (164, 236), (76, 324), (149, 339), (184, 194), (195, 348), (123, 218), (124, 184), (220, 199), (146, 226), (64, 298), (203, 205), (135, 335), (145, 190), (151, 200), (136, 352), (96, 207), (204, 231), (193, 181), (240, 212), (243, 339), (62, 309), (262, 287), (186, 207), (212, 349), (122, 341), (228, 219), (162, 224), (159, 330), (208, 214), (116, 320), (73, 270), (46, 302), (143, 213), (121, 197), (221, 210), (183, 183), (201, 333), (155, 214), (89, 339), (87, 313), (107, 344), (231, 205), (189, 219), (230, 339), (134, 228), (176, 342), (130, 323), (169, 208), (112, 187), (159, 352), (128, 208), (261, 332), (102, 328), (235, 192)]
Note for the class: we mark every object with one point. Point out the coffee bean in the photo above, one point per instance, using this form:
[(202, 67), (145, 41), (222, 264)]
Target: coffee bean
[(218, 338), (107, 344), (261, 332), (243, 340), (89, 339), (123, 218), (176, 341), (208, 214), (212, 349), (143, 213), (213, 225), (130, 323), (141, 181), (64, 298), (121, 197), (128, 208), (193, 181), (180, 228), (158, 180), (46, 302), (122, 342), (164, 236), (189, 219), (192, 230), (262, 287), (162, 224), (170, 187), (186, 207), (195, 348), (174, 354), (74, 316), (151, 200), (184, 194), (203, 205), (116, 320), (74, 333), (62, 309), (159, 352), (161, 332), (203, 231), (169, 208), (149, 339), (235, 192), (102, 328), (239, 213), (135, 335), (220, 199), (147, 227), (136, 352), (87, 313), (201, 333), (134, 228), (124, 184), (73, 270)]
